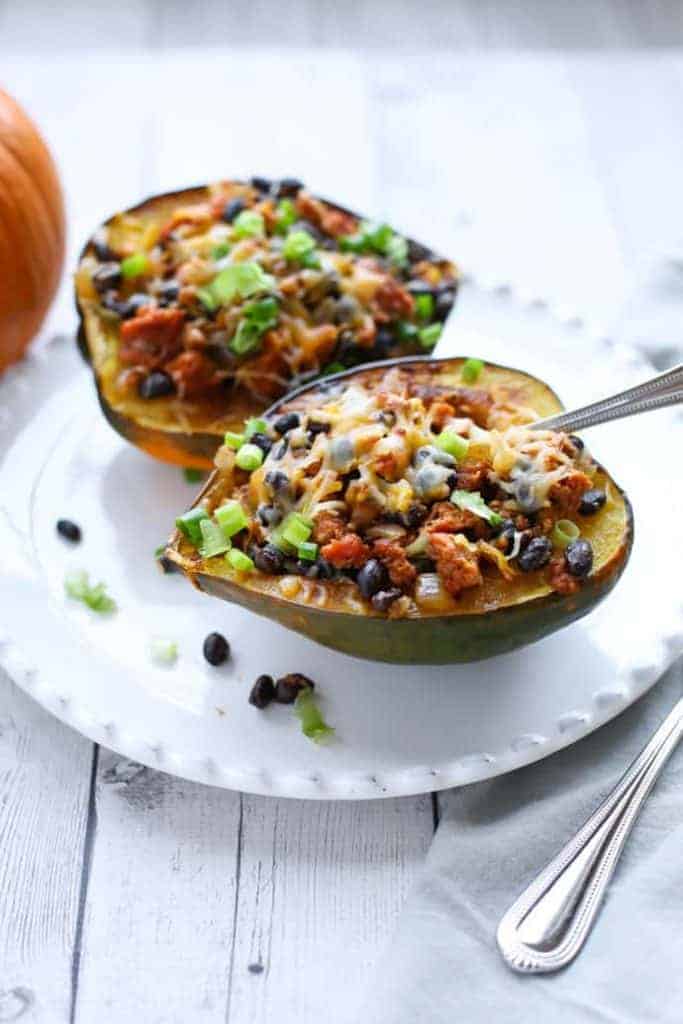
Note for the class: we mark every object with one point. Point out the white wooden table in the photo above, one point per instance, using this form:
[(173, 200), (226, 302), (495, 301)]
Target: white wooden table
[(129, 895)]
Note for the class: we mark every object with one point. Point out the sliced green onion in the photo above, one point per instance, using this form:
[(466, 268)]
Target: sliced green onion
[(249, 457), (238, 560), (332, 368), (352, 243), (471, 369), (247, 338), (285, 216), (164, 652), (264, 312), (313, 725), (240, 280), (311, 261), (193, 476), (564, 532), (429, 335), (406, 331), (234, 441), (308, 551), (296, 530), (452, 443), (207, 299), (78, 587), (276, 538), (424, 306), (397, 251), (297, 245), (219, 251), (255, 425), (472, 501), (214, 541), (189, 524), (160, 551), (248, 224), (231, 518), (135, 265)]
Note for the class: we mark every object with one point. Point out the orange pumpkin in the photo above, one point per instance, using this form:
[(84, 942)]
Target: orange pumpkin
[(31, 230)]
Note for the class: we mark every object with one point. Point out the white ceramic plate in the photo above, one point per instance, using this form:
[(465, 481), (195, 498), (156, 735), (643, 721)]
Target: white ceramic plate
[(400, 729)]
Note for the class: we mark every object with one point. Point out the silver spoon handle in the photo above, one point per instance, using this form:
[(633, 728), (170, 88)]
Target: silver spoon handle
[(548, 924), (662, 390)]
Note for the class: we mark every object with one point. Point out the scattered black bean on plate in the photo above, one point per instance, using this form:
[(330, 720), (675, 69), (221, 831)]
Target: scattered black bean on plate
[(69, 530), (579, 558), (591, 502), (262, 692), (287, 688), (216, 649)]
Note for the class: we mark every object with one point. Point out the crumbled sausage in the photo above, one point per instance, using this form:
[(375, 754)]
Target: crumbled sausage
[(457, 565), (328, 526), (566, 494), (446, 518), (193, 373), (402, 573), (560, 578), (394, 299), (472, 475), (152, 337), (347, 552)]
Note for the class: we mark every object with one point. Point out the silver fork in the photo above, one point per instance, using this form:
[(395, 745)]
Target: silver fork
[(548, 924), (656, 393)]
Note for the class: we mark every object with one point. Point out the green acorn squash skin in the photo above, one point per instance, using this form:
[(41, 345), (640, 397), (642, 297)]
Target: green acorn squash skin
[(430, 638), (191, 448)]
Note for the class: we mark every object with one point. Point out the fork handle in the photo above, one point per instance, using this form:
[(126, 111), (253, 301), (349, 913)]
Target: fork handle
[(547, 925), (662, 390)]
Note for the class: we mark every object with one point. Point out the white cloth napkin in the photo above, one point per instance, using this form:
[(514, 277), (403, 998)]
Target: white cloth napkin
[(443, 964)]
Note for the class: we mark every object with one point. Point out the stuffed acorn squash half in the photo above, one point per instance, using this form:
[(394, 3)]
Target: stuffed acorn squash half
[(200, 308), (409, 512)]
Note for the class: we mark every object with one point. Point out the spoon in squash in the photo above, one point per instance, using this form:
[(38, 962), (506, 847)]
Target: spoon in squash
[(660, 391)]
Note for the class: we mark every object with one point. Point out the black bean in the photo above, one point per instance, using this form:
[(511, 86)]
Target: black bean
[(268, 515), (417, 251), (169, 291), (384, 598), (326, 571), (288, 687), (156, 385), (216, 649), (262, 184), (69, 530), (536, 554), (289, 187), (231, 209), (304, 567), (269, 559), (107, 276), (345, 309), (314, 427), (281, 450), (126, 308), (372, 577), (383, 343), (103, 251), (591, 502), (277, 480), (579, 558), (444, 304), (261, 441), (507, 534), (414, 516), (577, 442), (262, 692), (289, 421)]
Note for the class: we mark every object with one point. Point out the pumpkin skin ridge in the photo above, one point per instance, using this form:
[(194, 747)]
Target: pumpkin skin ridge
[(190, 449), (428, 638)]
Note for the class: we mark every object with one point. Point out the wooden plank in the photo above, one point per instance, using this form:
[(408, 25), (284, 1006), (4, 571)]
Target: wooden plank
[(45, 771), (160, 899), (321, 887)]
